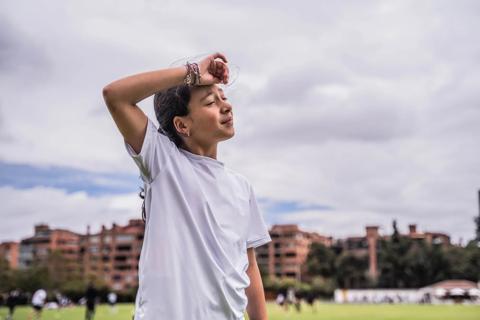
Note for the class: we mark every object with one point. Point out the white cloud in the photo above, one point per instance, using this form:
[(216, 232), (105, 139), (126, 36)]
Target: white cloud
[(22, 208), (362, 106)]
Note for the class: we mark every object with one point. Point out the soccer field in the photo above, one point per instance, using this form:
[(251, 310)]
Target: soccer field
[(323, 311)]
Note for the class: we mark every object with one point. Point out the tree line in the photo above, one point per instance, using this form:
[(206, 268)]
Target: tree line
[(402, 262)]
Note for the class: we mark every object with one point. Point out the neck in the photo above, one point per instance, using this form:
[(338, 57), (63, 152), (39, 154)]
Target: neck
[(202, 150)]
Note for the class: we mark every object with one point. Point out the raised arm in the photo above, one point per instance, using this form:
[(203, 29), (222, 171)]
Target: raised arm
[(121, 96)]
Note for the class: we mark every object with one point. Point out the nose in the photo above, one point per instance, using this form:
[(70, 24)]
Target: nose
[(226, 107)]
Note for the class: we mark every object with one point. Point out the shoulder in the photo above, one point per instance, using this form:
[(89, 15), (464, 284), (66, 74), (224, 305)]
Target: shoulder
[(240, 178)]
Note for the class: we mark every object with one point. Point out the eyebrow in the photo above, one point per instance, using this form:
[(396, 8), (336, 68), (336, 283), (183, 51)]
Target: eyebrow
[(209, 92)]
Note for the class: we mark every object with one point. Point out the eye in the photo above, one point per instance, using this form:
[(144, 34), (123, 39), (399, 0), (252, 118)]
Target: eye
[(210, 103)]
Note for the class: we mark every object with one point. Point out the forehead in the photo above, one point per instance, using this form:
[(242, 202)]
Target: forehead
[(204, 91)]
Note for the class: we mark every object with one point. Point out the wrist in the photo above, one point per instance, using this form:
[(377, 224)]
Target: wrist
[(192, 76)]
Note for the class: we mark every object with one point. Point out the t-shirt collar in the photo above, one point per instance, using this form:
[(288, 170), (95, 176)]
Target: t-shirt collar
[(195, 156)]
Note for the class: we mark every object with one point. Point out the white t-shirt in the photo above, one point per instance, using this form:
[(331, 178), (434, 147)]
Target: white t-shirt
[(201, 218), (112, 297), (39, 297)]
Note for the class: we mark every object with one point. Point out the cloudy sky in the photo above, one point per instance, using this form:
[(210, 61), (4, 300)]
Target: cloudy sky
[(347, 113)]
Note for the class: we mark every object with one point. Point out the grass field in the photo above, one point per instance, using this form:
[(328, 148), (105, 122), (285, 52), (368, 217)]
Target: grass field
[(325, 311)]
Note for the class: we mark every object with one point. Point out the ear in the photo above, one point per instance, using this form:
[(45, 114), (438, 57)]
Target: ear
[(181, 125)]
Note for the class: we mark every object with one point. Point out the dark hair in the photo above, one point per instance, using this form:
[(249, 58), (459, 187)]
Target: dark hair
[(168, 104)]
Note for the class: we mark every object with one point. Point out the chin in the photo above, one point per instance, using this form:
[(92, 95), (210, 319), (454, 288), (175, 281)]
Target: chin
[(229, 135)]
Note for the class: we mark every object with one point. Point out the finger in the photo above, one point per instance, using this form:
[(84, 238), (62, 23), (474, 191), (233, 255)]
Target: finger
[(220, 68), (220, 55), (224, 74), (213, 67)]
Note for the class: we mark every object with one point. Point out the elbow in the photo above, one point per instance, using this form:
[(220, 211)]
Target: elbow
[(108, 96), (106, 91)]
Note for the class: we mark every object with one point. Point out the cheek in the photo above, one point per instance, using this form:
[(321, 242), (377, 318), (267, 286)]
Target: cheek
[(207, 120)]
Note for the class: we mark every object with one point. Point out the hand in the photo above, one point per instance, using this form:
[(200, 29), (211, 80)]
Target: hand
[(213, 70)]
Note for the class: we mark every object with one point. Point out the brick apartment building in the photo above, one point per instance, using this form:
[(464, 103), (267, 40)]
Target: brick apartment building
[(285, 255), (368, 244), (45, 241), (9, 251), (113, 254)]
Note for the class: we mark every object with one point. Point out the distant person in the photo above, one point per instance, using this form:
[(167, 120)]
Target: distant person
[(59, 298), (38, 302), (12, 301), (290, 297), (112, 300), (310, 298), (90, 298), (280, 299), (298, 300)]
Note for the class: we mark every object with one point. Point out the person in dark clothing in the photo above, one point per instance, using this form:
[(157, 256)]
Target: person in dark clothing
[(311, 301), (12, 301), (91, 297)]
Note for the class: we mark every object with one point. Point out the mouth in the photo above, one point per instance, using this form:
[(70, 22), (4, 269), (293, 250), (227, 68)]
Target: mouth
[(228, 121)]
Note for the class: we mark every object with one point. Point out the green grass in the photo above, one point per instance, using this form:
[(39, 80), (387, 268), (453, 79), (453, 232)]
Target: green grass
[(325, 311)]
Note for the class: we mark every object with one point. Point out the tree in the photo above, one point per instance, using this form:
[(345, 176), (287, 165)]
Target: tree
[(477, 223), (321, 261), (32, 278), (396, 234), (351, 271), (392, 260), (471, 269), (6, 277)]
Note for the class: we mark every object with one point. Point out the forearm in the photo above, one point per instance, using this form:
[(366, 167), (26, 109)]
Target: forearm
[(135, 88), (256, 307)]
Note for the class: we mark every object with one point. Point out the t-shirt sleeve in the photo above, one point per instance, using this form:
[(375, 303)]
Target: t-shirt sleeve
[(155, 151), (257, 229)]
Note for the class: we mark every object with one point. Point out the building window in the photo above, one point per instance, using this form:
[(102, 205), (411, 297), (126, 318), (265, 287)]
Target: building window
[(121, 258), (124, 237), (42, 234), (124, 248), (94, 239), (123, 268)]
